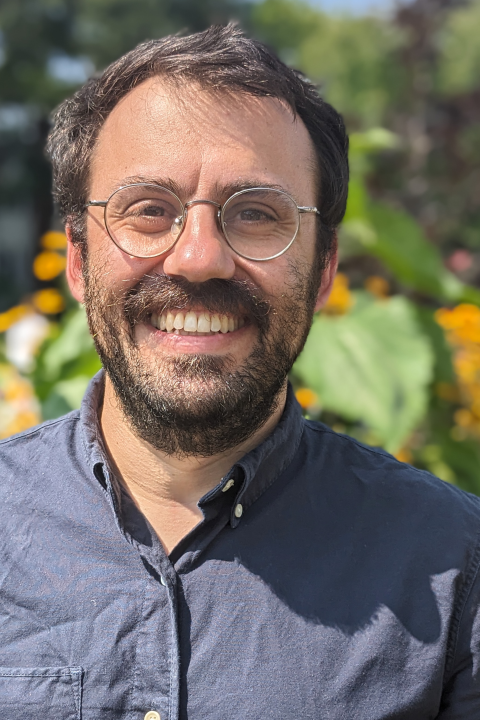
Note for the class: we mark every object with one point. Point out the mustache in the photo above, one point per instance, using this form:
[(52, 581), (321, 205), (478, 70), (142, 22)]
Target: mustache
[(159, 293)]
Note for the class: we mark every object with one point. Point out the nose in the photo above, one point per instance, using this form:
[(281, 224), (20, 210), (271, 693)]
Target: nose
[(201, 252)]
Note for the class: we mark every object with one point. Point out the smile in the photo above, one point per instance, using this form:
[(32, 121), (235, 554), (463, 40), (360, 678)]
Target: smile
[(195, 323)]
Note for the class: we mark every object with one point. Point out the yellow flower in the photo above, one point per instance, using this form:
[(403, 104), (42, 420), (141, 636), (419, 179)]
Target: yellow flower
[(404, 455), (19, 408), (21, 422), (461, 325), (48, 265), (53, 240), (49, 301), (306, 397), (463, 322), (464, 418), (465, 367), (377, 285), (341, 299), (10, 317), (17, 390)]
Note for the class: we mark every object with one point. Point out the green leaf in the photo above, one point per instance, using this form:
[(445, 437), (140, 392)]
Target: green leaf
[(72, 390), (373, 365), (374, 140), (73, 341), (402, 246)]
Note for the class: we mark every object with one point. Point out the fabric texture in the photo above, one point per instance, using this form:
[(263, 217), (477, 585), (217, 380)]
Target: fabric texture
[(347, 590)]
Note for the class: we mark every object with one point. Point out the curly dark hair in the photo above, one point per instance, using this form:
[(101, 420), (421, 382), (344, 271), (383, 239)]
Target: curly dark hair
[(220, 59)]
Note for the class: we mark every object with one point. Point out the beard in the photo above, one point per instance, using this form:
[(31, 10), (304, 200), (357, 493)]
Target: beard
[(199, 404)]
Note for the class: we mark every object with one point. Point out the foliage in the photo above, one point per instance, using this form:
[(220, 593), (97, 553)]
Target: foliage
[(373, 365), (459, 65), (65, 364), (352, 58)]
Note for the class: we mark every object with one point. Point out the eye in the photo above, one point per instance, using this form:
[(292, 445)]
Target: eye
[(155, 210), (151, 209), (255, 215), (251, 214)]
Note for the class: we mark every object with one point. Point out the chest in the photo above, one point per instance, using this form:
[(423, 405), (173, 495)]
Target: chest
[(123, 639)]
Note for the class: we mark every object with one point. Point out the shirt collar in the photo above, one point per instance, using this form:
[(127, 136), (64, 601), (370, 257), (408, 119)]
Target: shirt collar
[(252, 475)]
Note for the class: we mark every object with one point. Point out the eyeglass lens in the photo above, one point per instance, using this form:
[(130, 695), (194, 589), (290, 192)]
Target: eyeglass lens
[(145, 220)]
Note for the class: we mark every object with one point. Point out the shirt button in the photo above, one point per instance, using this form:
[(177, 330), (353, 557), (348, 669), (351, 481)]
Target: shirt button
[(238, 510), (228, 485), (152, 715), (164, 583)]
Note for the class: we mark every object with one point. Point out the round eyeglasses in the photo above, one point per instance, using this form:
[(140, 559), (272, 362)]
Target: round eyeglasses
[(146, 220)]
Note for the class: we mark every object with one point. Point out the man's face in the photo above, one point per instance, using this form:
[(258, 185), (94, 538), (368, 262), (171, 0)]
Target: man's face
[(189, 392)]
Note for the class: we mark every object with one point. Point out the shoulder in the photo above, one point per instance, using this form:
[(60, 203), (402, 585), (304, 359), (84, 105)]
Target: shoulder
[(39, 445), (389, 492)]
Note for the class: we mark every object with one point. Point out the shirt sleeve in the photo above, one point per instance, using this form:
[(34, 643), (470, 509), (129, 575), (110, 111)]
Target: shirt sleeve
[(461, 695)]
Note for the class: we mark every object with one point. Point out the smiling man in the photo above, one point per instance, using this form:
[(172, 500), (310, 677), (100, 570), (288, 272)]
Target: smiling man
[(187, 545)]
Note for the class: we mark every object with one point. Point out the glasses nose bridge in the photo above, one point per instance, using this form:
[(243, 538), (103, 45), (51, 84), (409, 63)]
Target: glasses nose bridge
[(203, 202), (200, 201)]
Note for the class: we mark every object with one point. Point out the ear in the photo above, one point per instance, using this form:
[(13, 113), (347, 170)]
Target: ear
[(74, 269), (328, 277)]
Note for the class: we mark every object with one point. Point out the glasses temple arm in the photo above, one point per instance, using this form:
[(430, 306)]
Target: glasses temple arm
[(308, 210), (96, 203)]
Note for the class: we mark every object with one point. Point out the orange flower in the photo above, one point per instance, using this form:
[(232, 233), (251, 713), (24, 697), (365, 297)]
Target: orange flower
[(378, 286), (306, 397), (49, 301), (48, 265), (340, 300), (461, 325), (19, 408), (21, 422), (10, 317), (404, 455), (53, 240), (464, 418)]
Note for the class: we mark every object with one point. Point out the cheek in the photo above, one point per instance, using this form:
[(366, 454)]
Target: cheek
[(114, 268)]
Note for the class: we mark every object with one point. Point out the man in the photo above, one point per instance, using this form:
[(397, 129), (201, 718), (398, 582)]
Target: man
[(187, 546)]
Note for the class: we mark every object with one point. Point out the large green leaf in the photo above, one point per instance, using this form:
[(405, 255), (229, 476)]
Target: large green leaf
[(373, 365), (403, 247)]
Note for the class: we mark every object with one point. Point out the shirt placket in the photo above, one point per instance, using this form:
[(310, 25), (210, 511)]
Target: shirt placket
[(156, 682)]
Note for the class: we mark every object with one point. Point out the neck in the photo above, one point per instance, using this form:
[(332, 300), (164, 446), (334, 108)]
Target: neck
[(166, 488)]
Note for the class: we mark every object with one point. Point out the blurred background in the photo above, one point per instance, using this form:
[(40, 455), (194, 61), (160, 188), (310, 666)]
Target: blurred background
[(394, 359)]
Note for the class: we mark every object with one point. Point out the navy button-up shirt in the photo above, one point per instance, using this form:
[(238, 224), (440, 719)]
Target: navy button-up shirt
[(347, 589)]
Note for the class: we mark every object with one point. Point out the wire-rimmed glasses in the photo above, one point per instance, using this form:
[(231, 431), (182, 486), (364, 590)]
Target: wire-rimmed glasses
[(145, 220)]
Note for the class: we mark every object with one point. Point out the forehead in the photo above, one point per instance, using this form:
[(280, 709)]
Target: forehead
[(202, 140)]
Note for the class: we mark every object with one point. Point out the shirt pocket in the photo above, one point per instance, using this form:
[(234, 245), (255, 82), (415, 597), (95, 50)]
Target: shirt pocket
[(49, 693)]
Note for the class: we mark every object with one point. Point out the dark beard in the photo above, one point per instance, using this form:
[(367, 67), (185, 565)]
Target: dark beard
[(228, 403)]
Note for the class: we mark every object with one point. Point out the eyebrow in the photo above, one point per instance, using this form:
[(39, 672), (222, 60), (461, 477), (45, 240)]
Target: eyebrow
[(220, 192)]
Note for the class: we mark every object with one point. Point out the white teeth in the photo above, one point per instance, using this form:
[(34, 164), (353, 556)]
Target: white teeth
[(215, 323), (190, 324), (223, 324), (204, 324), (185, 323), (179, 320), (170, 319)]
